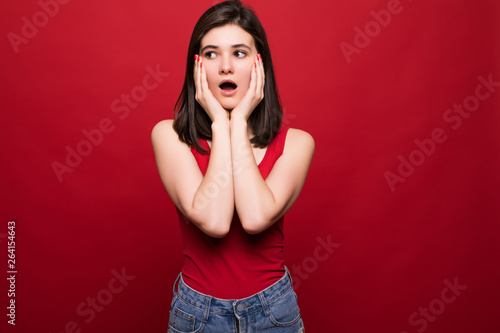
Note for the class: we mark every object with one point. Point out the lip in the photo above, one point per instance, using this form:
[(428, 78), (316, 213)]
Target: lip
[(228, 92), (227, 80)]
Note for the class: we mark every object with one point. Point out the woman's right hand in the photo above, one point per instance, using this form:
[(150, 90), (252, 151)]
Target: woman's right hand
[(203, 94)]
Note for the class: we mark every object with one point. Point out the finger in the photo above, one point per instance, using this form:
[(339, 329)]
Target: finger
[(195, 73), (197, 80), (263, 77), (259, 83), (203, 74), (253, 78), (261, 67), (262, 70)]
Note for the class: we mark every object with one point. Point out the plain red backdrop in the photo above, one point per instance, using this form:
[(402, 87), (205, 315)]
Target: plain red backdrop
[(366, 85)]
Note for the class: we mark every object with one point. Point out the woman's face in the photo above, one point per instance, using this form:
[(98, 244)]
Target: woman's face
[(228, 53)]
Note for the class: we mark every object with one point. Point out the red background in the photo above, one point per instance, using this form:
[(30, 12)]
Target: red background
[(394, 248)]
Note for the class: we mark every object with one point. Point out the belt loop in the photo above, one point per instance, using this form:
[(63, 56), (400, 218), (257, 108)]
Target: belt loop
[(178, 276), (264, 304), (289, 276), (206, 310)]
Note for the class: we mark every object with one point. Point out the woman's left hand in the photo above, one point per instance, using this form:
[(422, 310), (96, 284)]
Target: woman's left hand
[(255, 92)]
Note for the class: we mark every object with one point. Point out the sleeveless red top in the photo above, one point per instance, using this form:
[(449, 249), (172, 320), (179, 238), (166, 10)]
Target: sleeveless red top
[(238, 265)]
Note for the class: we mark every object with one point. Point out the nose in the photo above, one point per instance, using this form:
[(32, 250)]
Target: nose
[(226, 65)]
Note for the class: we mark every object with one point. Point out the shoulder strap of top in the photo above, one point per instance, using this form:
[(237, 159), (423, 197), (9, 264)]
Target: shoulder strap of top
[(201, 159), (273, 153), (280, 141)]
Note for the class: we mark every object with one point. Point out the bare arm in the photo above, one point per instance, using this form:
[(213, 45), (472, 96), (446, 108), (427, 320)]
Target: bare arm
[(259, 202), (206, 201)]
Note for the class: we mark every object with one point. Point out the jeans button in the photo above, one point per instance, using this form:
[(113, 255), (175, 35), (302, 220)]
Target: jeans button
[(240, 307)]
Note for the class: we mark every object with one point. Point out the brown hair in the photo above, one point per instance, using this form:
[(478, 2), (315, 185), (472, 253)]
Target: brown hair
[(191, 122)]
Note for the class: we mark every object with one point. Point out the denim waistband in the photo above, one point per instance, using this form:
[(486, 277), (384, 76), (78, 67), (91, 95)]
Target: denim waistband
[(238, 307)]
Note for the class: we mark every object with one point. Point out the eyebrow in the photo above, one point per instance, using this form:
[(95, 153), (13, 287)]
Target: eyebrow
[(235, 46)]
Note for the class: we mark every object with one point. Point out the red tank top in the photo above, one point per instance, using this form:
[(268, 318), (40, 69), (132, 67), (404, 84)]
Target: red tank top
[(238, 265)]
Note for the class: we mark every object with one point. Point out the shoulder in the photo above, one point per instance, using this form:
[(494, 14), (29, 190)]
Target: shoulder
[(299, 141), (162, 126), (164, 134)]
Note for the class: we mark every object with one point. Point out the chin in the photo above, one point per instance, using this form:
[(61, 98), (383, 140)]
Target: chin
[(228, 105)]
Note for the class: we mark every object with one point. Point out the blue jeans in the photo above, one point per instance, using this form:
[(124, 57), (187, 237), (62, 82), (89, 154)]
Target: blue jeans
[(273, 310)]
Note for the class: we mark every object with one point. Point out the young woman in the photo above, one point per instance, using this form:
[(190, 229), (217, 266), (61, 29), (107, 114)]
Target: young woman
[(232, 171)]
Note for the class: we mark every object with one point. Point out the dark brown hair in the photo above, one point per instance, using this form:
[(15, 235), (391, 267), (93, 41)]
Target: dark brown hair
[(191, 122)]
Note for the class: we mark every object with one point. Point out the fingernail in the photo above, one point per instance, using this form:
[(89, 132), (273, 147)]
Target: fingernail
[(201, 64), (255, 64), (260, 57), (195, 57)]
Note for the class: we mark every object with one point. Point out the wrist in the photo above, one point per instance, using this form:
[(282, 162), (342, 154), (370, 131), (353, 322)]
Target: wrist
[(221, 117), (240, 113), (238, 122), (237, 118), (220, 122)]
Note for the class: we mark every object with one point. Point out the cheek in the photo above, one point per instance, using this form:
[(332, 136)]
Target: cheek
[(212, 79), (245, 79)]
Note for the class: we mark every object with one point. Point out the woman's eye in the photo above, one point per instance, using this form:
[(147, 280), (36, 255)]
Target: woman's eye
[(210, 54), (240, 54)]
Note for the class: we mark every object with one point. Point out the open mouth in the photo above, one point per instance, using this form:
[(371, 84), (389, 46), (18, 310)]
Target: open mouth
[(228, 86)]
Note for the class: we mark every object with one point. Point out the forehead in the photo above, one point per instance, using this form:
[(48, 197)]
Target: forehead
[(227, 35)]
